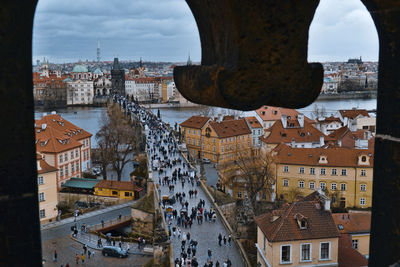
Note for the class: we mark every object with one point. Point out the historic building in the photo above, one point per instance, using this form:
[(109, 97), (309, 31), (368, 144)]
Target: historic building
[(80, 86), (191, 132), (102, 86), (118, 78), (256, 130), (49, 91), (345, 174)]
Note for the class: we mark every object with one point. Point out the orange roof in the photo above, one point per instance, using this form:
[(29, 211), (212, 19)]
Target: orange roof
[(52, 141), (347, 255), (44, 167), (196, 122), (229, 128), (64, 126), (353, 223), (338, 157), (270, 113), (254, 123), (339, 133), (330, 119), (307, 134), (118, 185), (353, 113), (285, 226)]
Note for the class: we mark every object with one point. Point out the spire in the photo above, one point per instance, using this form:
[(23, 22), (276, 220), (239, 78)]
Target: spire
[(98, 50), (116, 64), (141, 63), (189, 61)]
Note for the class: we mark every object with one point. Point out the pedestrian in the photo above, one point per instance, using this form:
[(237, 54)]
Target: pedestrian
[(55, 256), (89, 253), (217, 264), (84, 248), (83, 258), (224, 240), (219, 239), (102, 223), (229, 240), (76, 258), (209, 254)]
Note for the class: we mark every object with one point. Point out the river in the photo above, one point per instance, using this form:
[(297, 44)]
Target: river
[(89, 118)]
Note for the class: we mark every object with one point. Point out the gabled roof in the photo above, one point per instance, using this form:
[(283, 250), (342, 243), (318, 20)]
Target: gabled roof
[(330, 119), (347, 255), (270, 113), (337, 156), (307, 134), (353, 113), (230, 128), (339, 133), (353, 223), (253, 122), (59, 123), (52, 141), (196, 122), (45, 167), (118, 185), (281, 225)]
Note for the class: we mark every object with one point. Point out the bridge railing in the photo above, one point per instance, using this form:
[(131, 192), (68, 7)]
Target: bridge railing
[(107, 224)]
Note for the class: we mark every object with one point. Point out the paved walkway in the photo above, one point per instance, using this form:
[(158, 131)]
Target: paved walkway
[(205, 234), (85, 215)]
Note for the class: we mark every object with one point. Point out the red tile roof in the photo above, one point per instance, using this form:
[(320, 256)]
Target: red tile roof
[(353, 113), (354, 222), (118, 185), (230, 128), (196, 122), (330, 119), (254, 123), (45, 168), (52, 141), (347, 255), (59, 123), (270, 113), (307, 134), (336, 157), (285, 226)]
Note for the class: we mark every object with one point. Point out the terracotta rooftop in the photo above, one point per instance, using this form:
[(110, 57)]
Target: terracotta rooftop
[(60, 124), (339, 157), (196, 122), (254, 123), (339, 133), (270, 113), (330, 119), (353, 113), (354, 222), (45, 168), (50, 140), (307, 134), (285, 227), (118, 185), (347, 255), (230, 128)]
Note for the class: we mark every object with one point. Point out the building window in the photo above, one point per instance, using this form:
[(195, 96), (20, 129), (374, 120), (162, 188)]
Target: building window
[(324, 251), (188, 141), (323, 171), (285, 183), (285, 168), (322, 185), (312, 185), (60, 158), (301, 170), (363, 187), (354, 243), (363, 172), (115, 192), (189, 131), (333, 186), (312, 170), (72, 168), (239, 194), (66, 170), (127, 194), (42, 214), (334, 171), (264, 241), (199, 143), (77, 166), (72, 154), (305, 252), (61, 172), (286, 254), (76, 153), (40, 180), (344, 172), (41, 197), (66, 156), (342, 187), (362, 201), (301, 184)]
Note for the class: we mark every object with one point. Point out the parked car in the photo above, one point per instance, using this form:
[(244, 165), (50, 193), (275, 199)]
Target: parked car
[(206, 161), (114, 252)]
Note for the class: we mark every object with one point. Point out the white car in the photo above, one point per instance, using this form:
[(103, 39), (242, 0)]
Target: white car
[(206, 161)]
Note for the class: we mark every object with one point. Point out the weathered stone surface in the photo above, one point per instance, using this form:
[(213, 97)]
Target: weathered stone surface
[(253, 53)]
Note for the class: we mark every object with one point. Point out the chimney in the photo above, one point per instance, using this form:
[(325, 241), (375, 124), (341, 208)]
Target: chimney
[(321, 141), (323, 129), (339, 142), (300, 118), (284, 120), (44, 125), (327, 204)]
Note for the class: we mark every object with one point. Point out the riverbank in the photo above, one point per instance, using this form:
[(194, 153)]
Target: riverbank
[(352, 95)]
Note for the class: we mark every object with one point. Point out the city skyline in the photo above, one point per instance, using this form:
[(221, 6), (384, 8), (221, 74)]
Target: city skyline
[(166, 31)]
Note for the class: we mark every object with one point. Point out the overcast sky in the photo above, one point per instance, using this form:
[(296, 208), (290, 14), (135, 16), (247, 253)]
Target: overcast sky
[(165, 30)]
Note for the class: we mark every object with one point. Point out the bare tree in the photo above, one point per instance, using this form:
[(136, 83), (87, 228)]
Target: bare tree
[(207, 111), (119, 137), (103, 154), (252, 170), (318, 112)]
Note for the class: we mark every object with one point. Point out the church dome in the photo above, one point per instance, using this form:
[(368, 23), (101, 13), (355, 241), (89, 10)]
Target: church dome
[(97, 71), (80, 68)]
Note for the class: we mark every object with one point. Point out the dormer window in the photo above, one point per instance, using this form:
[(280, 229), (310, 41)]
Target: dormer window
[(301, 221), (363, 159), (303, 224)]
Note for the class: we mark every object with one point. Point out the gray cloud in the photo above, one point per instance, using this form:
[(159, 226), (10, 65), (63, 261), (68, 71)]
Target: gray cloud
[(165, 30)]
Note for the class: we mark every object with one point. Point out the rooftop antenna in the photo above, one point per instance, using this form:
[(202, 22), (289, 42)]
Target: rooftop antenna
[(98, 50)]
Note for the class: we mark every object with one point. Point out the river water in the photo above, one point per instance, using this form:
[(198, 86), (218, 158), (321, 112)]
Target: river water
[(89, 118)]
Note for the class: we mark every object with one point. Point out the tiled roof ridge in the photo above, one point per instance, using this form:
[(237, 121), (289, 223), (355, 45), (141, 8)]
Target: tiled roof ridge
[(282, 220)]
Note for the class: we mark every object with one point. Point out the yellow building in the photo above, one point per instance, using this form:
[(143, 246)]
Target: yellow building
[(346, 174), (47, 186), (123, 190), (191, 130), (300, 234), (356, 226)]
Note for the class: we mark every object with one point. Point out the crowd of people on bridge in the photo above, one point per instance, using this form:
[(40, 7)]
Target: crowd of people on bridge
[(181, 183)]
